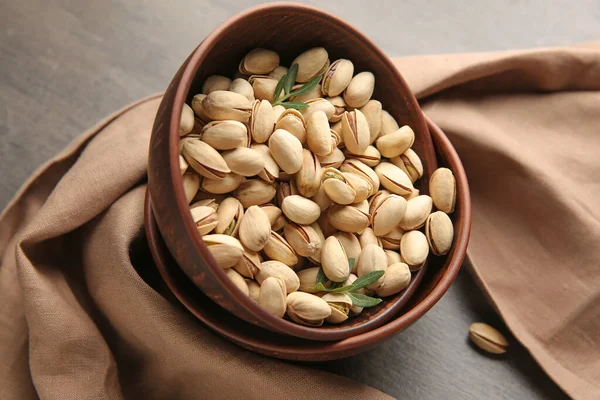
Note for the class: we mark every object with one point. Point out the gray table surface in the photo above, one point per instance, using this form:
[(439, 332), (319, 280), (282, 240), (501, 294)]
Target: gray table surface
[(67, 63)]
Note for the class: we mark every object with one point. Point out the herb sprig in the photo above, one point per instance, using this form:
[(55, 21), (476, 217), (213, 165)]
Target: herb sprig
[(286, 83)]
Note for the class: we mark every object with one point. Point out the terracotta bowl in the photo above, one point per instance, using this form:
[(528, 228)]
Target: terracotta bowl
[(437, 280), (288, 29)]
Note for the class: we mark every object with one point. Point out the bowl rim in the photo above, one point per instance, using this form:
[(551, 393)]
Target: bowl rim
[(182, 93)]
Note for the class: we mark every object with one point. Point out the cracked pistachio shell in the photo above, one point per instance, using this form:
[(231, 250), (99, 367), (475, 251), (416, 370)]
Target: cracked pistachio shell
[(278, 72), (280, 224), (255, 228), (307, 309), (417, 211), (254, 192), (396, 143), (273, 295), (360, 89), (322, 199), (303, 238), (333, 160), (334, 260), (225, 249), (363, 206), (198, 108), (220, 186), (253, 289), (339, 106), (393, 178), (271, 170), (186, 122), (318, 134), (372, 112), (249, 264), (410, 163), (225, 135), (272, 211), (372, 258), (340, 304), (293, 121), (348, 218), (412, 195), (205, 219), (442, 188), (354, 310), (208, 202), (286, 150), (414, 247), (221, 105), (355, 131), (311, 63), (377, 199), (229, 215), (351, 245), (191, 181), (314, 93), (337, 77), (285, 189), (183, 165), (396, 278), (371, 157), (213, 200), (487, 338), (300, 210), (308, 178), (244, 161), (264, 87), (391, 241), (361, 186), (277, 248), (280, 270), (358, 167), (308, 279), (316, 105), (392, 257), (238, 280), (214, 83), (243, 87), (316, 258), (204, 159), (440, 233), (388, 123), (262, 121), (368, 237), (259, 62), (337, 187), (388, 214)]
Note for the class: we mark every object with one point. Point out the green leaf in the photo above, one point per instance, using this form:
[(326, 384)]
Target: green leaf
[(294, 104), (367, 279), (361, 300), (321, 277), (291, 78), (319, 287), (278, 88), (307, 87)]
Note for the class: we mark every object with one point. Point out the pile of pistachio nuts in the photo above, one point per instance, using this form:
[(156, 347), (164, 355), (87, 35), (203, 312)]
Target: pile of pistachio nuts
[(306, 197)]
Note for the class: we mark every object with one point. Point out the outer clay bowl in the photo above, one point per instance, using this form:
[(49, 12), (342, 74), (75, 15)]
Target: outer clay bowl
[(437, 280), (274, 26)]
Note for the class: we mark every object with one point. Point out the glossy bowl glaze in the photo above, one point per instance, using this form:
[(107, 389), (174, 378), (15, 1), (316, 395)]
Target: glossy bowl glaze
[(288, 29)]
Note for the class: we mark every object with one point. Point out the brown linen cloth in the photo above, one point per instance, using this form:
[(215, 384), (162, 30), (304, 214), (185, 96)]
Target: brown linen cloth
[(79, 322)]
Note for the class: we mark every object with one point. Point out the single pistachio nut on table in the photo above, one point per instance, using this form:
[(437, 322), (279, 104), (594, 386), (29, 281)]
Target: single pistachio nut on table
[(305, 189), (487, 338)]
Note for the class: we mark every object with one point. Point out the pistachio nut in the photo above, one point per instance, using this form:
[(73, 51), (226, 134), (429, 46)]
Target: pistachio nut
[(414, 247), (367, 237), (208, 202), (376, 200), (225, 185), (372, 112), (340, 304), (392, 257), (300, 210), (308, 178), (396, 278), (225, 249), (388, 214), (334, 260), (285, 189), (372, 258), (293, 121), (351, 245), (191, 181), (333, 160), (439, 232), (259, 62), (205, 219), (442, 188), (286, 150), (264, 87), (487, 338), (225, 135), (325, 225), (316, 105), (315, 225), (243, 87), (273, 295), (348, 218), (271, 170), (280, 270), (391, 241), (244, 161), (272, 211), (355, 131), (371, 157), (307, 309), (279, 224), (183, 165), (322, 199), (262, 120), (238, 280), (214, 83), (303, 239), (277, 111), (229, 216), (388, 123), (339, 106), (311, 63), (278, 72), (358, 167), (221, 105), (249, 264), (396, 143), (186, 121), (318, 134), (417, 211), (254, 192), (204, 159), (338, 187), (393, 178), (314, 93), (198, 108), (360, 89), (360, 184), (277, 248), (337, 77), (253, 289), (410, 163), (255, 228), (308, 279)]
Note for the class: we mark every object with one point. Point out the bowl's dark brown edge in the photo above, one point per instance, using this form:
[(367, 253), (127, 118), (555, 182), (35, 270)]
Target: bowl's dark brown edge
[(176, 95), (303, 350)]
